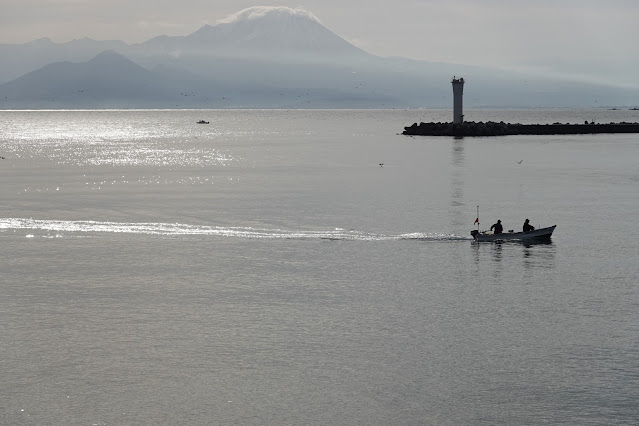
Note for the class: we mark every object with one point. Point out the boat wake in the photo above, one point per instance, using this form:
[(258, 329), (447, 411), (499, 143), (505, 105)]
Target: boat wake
[(66, 227)]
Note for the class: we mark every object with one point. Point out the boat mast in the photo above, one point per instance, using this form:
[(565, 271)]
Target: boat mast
[(477, 219)]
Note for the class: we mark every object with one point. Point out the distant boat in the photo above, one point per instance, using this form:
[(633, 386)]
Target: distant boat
[(537, 234), (633, 109), (202, 122)]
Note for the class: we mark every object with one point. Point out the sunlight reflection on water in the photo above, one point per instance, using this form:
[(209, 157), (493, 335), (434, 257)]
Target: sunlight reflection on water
[(93, 139)]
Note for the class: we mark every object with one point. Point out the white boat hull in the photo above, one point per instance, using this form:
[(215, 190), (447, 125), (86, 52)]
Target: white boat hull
[(537, 234)]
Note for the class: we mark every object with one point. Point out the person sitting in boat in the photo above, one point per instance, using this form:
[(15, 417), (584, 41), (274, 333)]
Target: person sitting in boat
[(497, 227), (528, 227)]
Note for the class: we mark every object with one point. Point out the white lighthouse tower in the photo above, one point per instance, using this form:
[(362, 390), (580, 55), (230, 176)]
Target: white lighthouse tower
[(458, 96)]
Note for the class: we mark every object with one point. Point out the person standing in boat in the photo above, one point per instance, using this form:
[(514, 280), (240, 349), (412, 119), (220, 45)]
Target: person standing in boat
[(528, 227), (497, 227)]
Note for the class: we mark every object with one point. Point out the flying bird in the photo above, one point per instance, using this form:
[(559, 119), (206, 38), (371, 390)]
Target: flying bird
[(519, 162)]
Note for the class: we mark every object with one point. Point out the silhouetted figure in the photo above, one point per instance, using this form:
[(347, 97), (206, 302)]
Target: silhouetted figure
[(497, 227), (528, 227)]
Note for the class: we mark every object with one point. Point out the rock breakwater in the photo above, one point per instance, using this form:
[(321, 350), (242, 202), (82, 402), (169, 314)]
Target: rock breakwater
[(491, 128)]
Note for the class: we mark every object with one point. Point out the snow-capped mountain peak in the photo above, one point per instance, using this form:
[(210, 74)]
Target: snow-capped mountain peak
[(272, 30)]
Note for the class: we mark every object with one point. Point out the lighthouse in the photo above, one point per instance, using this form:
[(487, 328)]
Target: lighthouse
[(458, 96)]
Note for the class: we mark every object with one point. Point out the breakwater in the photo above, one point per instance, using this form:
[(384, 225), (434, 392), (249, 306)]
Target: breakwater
[(491, 128)]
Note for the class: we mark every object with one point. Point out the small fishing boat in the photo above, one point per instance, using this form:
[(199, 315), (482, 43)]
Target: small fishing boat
[(202, 122), (540, 234), (537, 234)]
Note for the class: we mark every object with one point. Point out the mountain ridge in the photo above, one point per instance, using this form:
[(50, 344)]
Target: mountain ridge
[(269, 57)]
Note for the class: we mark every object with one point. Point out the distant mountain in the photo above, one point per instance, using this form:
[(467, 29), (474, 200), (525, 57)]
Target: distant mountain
[(276, 32), (19, 59), (101, 82), (262, 57), (110, 80)]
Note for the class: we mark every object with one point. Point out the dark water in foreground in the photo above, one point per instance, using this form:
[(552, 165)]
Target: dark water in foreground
[(264, 269)]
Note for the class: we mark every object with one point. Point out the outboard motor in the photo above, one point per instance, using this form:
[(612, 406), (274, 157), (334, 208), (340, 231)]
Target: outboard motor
[(474, 233)]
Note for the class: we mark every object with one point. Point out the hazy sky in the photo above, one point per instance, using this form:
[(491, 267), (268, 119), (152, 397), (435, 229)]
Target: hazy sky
[(590, 39)]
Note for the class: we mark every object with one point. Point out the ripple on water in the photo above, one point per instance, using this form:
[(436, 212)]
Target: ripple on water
[(159, 228)]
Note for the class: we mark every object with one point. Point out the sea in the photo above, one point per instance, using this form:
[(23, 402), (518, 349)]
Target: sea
[(314, 267)]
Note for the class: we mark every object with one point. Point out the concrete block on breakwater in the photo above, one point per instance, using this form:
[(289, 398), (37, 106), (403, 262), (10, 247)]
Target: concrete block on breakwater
[(491, 128)]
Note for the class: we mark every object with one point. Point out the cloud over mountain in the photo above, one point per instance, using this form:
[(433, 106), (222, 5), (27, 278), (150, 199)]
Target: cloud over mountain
[(275, 12)]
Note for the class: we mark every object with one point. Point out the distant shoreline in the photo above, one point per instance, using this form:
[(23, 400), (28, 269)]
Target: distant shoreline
[(307, 108)]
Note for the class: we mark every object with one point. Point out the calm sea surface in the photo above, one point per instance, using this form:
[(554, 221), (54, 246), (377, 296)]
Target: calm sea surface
[(264, 269)]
